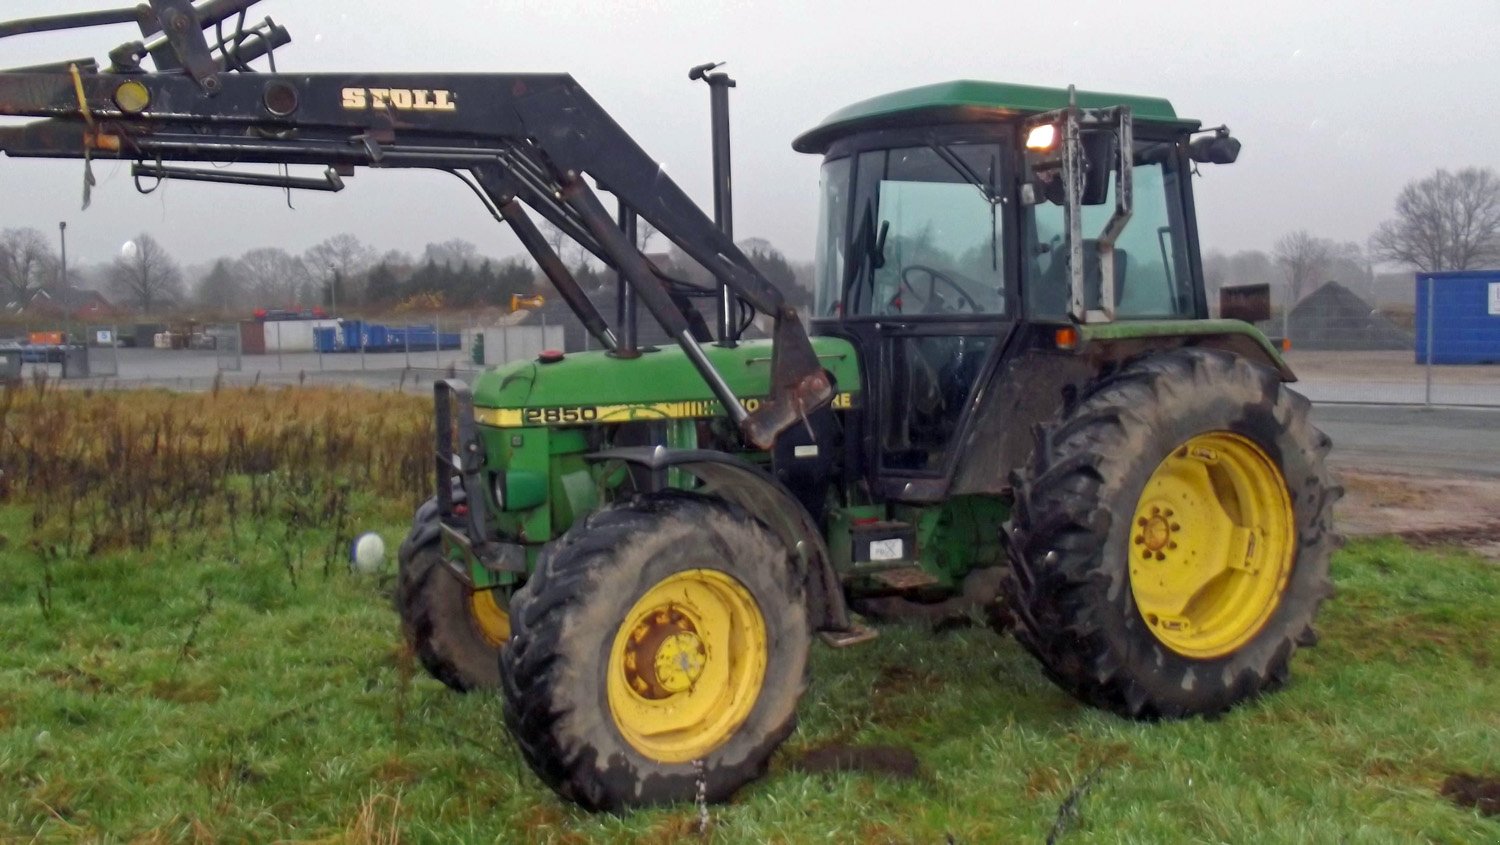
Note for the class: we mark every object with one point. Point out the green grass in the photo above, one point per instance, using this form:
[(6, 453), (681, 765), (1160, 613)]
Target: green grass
[(174, 695)]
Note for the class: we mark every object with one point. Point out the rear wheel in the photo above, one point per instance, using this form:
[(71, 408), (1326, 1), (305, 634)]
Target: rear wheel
[(659, 643), (456, 632), (1173, 534)]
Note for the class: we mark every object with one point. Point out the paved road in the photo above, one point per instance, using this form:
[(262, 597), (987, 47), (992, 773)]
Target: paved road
[(1391, 377), (1428, 441), (1395, 392)]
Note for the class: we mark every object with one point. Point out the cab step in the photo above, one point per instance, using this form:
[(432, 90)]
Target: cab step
[(854, 635), (905, 578)]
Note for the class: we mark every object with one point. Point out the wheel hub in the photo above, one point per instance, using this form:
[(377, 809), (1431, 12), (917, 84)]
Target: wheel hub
[(664, 655), (679, 662), (1156, 532), (687, 665)]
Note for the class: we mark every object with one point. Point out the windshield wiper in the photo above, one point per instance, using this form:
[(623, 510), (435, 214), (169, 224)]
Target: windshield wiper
[(986, 188), (869, 249)]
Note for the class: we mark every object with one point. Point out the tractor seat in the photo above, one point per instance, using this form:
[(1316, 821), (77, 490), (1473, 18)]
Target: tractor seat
[(1051, 300)]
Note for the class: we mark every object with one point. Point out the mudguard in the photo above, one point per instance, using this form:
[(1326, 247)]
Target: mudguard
[(737, 481)]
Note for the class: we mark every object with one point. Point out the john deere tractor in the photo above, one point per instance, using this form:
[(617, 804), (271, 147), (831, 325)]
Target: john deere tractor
[(1011, 399)]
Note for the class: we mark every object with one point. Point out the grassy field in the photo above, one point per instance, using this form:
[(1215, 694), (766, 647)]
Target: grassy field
[(230, 680)]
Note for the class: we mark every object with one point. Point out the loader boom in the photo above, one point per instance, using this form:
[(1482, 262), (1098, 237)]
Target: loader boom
[(513, 138)]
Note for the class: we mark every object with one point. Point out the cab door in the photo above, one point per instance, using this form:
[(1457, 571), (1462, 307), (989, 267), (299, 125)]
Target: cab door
[(925, 292)]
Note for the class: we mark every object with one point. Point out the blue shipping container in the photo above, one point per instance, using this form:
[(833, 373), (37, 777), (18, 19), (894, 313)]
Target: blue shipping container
[(326, 339), (1465, 317)]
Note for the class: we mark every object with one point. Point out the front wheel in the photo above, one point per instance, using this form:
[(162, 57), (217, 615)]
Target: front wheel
[(659, 653), (456, 632), (1173, 535)]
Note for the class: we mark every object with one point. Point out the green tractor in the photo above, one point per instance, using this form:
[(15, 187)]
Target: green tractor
[(1012, 401), (1033, 419)]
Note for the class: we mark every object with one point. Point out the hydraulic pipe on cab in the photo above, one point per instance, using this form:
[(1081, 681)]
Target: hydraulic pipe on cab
[(718, 101), (627, 315), (637, 270)]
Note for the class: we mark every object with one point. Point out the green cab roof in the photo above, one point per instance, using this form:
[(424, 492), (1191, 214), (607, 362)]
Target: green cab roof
[(971, 101)]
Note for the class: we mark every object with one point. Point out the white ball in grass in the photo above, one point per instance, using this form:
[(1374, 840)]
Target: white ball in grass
[(367, 553)]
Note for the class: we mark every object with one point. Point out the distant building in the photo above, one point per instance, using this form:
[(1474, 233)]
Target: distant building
[(67, 303), (1333, 317)]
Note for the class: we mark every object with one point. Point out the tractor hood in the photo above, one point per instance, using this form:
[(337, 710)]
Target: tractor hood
[(582, 388)]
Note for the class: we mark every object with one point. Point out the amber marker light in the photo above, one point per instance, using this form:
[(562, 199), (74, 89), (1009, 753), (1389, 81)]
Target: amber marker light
[(1066, 338), (132, 97)]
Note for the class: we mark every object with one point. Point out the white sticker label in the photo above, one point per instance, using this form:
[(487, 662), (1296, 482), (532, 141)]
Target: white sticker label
[(1494, 299), (887, 549), (808, 451)]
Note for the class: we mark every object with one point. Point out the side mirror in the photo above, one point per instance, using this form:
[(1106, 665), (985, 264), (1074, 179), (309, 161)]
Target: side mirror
[(1099, 148), (1251, 303), (1098, 164), (1218, 148)]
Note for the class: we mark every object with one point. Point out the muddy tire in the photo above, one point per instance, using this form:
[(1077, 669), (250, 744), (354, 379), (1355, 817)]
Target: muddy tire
[(1125, 609), (620, 640), (454, 634)]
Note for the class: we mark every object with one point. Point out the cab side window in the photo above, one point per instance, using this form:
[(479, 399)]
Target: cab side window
[(1152, 272)]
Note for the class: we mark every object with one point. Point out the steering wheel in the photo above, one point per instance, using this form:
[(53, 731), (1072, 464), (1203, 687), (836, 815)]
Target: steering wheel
[(933, 277)]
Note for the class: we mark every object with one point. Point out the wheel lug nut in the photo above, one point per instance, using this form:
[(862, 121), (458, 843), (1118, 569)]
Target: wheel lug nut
[(1171, 545), (1139, 539), (1160, 556), (1176, 527), (1141, 522)]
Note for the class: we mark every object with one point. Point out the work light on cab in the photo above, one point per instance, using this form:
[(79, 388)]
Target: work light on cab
[(1042, 138)]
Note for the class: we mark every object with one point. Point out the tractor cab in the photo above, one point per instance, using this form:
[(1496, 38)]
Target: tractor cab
[(956, 216)]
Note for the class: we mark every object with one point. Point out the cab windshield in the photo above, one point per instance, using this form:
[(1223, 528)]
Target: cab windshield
[(912, 231)]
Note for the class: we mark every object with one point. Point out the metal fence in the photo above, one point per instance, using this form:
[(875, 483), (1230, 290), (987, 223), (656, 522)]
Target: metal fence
[(103, 351), (227, 354)]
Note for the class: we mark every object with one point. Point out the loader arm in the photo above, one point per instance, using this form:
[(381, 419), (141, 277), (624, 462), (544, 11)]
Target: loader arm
[(529, 138)]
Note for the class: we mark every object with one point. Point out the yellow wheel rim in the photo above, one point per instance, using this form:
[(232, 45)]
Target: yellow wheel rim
[(1211, 545), (687, 665), (490, 617)]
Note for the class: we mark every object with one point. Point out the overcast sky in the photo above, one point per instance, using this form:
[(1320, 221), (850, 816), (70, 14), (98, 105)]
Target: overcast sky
[(1339, 103)]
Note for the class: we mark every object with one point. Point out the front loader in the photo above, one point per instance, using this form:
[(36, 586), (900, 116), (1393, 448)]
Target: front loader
[(1012, 401)]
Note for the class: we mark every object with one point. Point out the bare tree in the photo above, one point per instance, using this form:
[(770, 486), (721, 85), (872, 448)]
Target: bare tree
[(1349, 265), (645, 231), (27, 263), (398, 261), (558, 240), (276, 277), (456, 253), (1303, 258), (1447, 221), (146, 275), (224, 286), (343, 259)]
